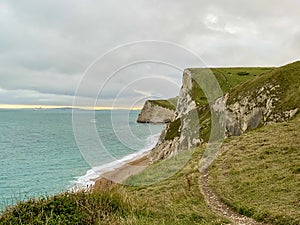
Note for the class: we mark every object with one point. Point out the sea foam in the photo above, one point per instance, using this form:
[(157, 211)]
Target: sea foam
[(88, 180)]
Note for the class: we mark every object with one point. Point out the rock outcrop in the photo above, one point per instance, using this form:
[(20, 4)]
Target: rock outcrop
[(182, 134), (252, 111), (270, 98), (155, 113)]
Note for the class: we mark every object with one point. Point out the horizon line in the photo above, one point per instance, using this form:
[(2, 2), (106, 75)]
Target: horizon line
[(29, 106)]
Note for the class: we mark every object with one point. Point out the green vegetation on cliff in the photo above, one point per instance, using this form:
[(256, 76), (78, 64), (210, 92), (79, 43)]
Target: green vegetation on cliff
[(106, 207), (168, 104), (228, 78), (173, 129), (258, 174), (286, 78)]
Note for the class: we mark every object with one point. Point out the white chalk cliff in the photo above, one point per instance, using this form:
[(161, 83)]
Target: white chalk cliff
[(243, 108), (154, 113)]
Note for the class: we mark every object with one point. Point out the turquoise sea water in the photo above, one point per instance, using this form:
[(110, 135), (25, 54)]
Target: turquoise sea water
[(39, 154)]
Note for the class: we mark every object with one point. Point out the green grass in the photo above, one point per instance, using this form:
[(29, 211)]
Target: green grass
[(259, 173), (70, 208), (233, 76), (169, 103), (176, 200), (231, 81), (173, 129), (286, 77), (228, 78)]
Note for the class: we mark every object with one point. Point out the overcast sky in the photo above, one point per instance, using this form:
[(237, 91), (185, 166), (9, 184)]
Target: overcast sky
[(46, 46)]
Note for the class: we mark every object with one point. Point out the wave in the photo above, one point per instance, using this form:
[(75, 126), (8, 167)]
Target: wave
[(88, 180)]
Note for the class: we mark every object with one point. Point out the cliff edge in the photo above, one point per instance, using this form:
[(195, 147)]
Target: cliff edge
[(252, 97), (158, 111)]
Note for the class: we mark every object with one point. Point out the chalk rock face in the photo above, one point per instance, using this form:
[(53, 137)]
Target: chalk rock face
[(164, 149), (187, 128), (251, 111), (265, 100), (153, 113)]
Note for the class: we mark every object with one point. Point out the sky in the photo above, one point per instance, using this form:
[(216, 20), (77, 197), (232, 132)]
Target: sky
[(50, 50)]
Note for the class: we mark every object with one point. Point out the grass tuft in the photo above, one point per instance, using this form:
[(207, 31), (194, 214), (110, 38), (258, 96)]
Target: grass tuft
[(258, 174)]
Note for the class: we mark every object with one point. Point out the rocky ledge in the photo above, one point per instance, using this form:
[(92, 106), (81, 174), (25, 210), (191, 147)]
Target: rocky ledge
[(154, 112)]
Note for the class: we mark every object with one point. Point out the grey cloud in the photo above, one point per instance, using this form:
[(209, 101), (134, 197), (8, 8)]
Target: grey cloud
[(32, 98), (46, 82), (46, 46)]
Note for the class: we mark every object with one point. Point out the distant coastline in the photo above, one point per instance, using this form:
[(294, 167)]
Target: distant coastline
[(41, 107)]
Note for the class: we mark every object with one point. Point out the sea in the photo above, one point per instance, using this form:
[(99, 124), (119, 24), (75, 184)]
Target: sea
[(41, 153)]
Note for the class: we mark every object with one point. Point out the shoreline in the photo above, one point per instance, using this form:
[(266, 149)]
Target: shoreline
[(131, 167)]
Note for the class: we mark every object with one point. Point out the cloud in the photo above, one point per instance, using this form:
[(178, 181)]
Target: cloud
[(46, 46), (143, 93), (32, 98)]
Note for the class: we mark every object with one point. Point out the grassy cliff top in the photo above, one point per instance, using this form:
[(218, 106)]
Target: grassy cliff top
[(242, 82), (228, 79), (287, 78), (168, 103)]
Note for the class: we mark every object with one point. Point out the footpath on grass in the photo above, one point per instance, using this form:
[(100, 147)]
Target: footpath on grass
[(219, 207)]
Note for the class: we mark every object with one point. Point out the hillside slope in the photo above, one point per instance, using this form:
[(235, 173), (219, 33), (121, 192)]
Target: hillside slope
[(252, 97), (258, 173), (158, 111), (273, 97)]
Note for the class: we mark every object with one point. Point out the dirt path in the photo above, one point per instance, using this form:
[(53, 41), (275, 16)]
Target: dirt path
[(219, 207)]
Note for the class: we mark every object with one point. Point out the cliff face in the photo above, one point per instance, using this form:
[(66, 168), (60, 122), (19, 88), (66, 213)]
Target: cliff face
[(155, 113), (182, 134), (250, 112), (272, 97)]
